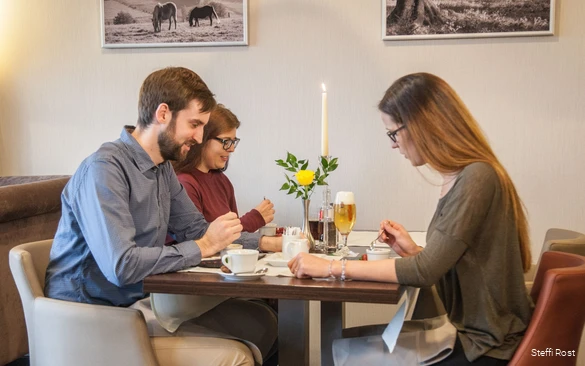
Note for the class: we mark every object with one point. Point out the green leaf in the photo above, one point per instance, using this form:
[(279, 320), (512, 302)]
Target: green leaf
[(284, 187), (332, 167), (291, 170), (291, 190), (324, 163), (333, 161), (305, 165), (299, 193)]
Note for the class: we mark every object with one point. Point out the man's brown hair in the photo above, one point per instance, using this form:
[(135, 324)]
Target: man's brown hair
[(175, 86)]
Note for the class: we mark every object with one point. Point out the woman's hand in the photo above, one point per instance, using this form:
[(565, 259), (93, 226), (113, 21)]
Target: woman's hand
[(266, 209), (305, 265), (398, 239)]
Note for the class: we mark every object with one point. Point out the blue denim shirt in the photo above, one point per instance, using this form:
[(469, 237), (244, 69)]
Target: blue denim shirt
[(117, 209)]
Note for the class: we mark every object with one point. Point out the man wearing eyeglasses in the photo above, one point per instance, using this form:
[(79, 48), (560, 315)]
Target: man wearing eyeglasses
[(122, 200)]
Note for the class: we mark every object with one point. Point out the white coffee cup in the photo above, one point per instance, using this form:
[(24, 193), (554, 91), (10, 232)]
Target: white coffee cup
[(240, 260), (378, 254), (232, 246), (297, 246), (286, 240)]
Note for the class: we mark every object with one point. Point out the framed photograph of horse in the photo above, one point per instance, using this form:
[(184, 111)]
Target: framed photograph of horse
[(431, 19), (180, 23)]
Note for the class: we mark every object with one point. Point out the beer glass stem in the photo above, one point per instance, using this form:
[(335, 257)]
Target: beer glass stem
[(344, 244)]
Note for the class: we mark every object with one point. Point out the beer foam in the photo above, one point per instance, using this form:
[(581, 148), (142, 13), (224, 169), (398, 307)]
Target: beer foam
[(345, 197)]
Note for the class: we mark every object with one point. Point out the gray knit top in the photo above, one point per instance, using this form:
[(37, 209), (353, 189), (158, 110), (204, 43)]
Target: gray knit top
[(473, 257)]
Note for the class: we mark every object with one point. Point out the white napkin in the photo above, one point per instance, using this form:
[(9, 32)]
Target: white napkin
[(172, 310)]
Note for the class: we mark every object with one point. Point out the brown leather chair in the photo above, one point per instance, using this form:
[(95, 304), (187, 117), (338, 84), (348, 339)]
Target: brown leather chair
[(559, 316)]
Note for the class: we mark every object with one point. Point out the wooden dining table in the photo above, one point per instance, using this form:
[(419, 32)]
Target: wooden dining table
[(293, 304)]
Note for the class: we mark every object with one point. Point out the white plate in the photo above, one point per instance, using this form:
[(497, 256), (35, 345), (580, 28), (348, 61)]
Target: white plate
[(242, 276), (276, 260), (214, 258)]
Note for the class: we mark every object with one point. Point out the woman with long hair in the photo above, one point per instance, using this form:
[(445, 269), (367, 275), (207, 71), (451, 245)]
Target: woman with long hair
[(477, 242), (201, 174)]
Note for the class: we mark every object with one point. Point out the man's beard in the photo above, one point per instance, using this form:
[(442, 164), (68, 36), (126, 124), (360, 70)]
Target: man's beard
[(169, 148)]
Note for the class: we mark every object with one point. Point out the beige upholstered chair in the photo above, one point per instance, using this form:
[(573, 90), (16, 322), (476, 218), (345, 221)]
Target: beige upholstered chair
[(559, 240), (68, 333)]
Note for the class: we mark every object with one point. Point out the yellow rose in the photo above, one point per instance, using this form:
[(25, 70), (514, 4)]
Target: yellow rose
[(305, 177)]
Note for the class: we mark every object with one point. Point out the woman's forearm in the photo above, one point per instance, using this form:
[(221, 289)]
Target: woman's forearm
[(380, 271)]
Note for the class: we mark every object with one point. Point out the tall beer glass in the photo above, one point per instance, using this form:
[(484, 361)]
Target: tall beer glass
[(344, 215)]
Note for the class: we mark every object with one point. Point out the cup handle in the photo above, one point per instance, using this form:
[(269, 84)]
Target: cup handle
[(224, 260)]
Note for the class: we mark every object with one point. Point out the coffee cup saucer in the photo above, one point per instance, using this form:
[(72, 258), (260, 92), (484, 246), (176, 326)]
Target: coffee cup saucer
[(242, 276)]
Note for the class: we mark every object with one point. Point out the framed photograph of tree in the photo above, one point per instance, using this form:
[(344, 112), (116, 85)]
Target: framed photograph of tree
[(180, 23), (428, 19)]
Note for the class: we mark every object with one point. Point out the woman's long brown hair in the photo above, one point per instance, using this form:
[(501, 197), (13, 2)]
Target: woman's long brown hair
[(448, 138)]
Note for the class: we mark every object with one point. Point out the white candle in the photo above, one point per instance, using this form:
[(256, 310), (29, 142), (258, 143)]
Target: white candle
[(324, 123)]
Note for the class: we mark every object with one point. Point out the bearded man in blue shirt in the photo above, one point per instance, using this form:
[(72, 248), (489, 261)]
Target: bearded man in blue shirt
[(124, 198)]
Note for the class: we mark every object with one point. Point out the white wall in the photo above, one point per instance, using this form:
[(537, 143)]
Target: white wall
[(61, 96)]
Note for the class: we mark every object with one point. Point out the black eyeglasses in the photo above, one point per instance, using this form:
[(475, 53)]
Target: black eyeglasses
[(392, 134), (228, 143)]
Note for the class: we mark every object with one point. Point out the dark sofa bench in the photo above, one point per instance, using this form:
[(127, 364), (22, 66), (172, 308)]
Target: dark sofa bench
[(30, 209)]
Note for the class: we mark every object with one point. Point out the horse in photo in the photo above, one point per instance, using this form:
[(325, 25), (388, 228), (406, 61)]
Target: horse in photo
[(202, 13), (163, 12)]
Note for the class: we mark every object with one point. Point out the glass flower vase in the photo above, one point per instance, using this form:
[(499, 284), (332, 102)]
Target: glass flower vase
[(305, 227)]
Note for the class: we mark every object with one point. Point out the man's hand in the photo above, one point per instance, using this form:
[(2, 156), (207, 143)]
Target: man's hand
[(270, 243), (266, 209), (220, 233)]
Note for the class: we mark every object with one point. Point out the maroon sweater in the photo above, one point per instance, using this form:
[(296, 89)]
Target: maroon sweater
[(213, 194)]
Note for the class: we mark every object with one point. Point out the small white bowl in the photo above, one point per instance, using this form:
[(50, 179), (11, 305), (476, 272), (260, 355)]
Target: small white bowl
[(268, 230), (232, 246), (378, 254)]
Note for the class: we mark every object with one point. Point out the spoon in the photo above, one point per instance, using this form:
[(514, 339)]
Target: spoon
[(375, 240), (373, 243)]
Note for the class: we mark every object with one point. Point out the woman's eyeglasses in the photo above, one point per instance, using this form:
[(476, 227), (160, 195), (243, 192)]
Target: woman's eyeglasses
[(228, 143), (392, 134)]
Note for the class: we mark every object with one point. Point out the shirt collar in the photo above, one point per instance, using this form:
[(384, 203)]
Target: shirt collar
[(138, 154)]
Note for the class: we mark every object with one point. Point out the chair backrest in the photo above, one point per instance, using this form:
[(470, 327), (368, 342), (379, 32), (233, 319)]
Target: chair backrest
[(28, 264), (562, 240), (559, 316), (66, 333)]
